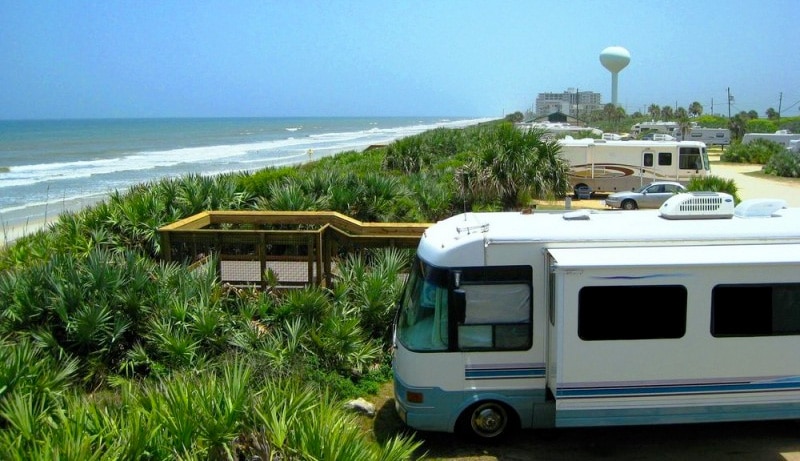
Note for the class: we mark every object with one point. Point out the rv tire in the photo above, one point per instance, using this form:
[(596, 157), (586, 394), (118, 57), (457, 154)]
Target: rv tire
[(488, 421)]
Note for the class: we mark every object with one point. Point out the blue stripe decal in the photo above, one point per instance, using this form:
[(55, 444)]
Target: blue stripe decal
[(504, 372), (772, 385)]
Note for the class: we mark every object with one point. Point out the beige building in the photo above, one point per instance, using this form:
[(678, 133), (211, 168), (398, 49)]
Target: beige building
[(572, 102)]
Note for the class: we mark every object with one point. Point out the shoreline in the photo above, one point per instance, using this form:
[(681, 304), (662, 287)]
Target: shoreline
[(9, 233)]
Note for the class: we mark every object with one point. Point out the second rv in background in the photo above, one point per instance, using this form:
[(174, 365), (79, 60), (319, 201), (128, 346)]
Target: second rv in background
[(709, 136)]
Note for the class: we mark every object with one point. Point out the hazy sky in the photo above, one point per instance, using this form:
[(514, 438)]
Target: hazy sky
[(165, 58)]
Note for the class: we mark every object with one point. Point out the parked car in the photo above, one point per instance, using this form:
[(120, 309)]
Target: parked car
[(649, 196)]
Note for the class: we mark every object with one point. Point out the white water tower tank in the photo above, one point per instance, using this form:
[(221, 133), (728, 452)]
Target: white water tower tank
[(614, 58)]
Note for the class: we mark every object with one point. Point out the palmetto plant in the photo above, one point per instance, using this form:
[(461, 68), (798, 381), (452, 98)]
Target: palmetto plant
[(27, 368), (33, 388), (289, 197), (346, 194), (196, 193), (300, 423), (510, 164), (716, 184), (434, 199), (373, 282), (382, 198)]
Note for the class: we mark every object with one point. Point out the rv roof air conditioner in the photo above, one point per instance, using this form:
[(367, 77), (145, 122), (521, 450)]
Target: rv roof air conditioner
[(698, 205)]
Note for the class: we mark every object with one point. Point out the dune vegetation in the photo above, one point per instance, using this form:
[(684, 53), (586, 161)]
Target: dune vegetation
[(109, 353)]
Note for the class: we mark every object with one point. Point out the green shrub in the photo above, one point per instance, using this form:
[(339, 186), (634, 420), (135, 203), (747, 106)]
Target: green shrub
[(785, 163), (757, 151), (715, 184), (761, 125)]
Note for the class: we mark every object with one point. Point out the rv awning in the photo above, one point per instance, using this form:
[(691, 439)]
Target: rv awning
[(672, 256)]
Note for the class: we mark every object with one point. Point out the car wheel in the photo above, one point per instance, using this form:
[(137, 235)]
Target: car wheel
[(629, 205)]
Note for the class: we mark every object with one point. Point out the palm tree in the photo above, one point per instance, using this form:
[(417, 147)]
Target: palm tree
[(654, 110), (683, 121), (772, 114), (610, 112), (696, 109)]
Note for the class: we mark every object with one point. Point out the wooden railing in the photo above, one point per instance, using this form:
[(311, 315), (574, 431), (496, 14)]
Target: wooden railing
[(292, 248)]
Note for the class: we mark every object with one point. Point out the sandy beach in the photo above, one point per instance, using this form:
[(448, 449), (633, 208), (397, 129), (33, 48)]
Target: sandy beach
[(8, 233)]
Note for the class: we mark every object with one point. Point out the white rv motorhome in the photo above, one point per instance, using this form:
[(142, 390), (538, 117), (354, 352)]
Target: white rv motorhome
[(605, 167), (686, 314), (670, 128)]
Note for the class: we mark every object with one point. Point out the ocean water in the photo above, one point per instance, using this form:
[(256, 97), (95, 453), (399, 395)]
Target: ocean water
[(51, 166)]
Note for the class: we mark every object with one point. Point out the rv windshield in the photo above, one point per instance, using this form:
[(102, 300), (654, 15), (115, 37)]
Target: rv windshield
[(422, 318), (693, 158)]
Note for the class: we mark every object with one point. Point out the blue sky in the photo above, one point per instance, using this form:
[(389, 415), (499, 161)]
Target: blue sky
[(93, 59)]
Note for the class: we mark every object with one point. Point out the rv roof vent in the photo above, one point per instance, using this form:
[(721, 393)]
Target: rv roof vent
[(759, 207), (579, 215), (698, 205)]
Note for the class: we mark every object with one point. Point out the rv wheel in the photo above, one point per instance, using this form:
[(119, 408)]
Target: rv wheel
[(487, 420)]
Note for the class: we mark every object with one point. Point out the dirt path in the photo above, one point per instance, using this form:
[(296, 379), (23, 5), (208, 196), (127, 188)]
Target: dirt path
[(751, 184)]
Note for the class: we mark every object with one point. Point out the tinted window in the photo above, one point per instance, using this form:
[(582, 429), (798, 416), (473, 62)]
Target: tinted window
[(665, 158), (631, 312), (497, 314), (755, 310)]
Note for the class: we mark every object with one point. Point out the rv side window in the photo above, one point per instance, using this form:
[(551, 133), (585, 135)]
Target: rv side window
[(497, 315), (665, 158), (648, 159), (770, 310), (631, 312)]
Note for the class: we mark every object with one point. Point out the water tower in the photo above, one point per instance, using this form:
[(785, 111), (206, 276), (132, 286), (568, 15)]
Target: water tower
[(614, 58)]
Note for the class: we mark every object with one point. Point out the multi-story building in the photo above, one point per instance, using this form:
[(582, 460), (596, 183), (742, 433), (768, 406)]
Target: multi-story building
[(571, 102)]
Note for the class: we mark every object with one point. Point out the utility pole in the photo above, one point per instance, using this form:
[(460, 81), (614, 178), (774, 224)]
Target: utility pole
[(712, 106), (730, 98), (780, 101)]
